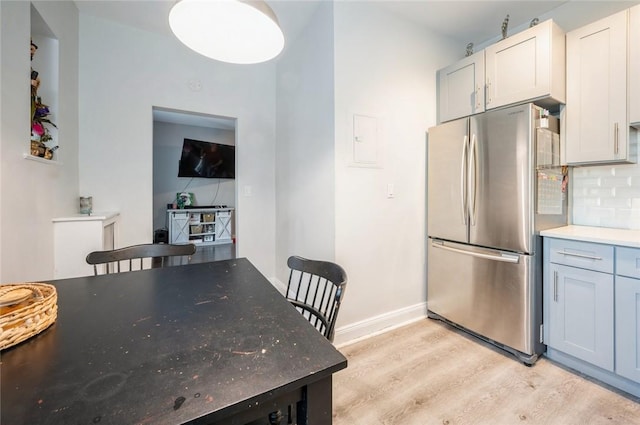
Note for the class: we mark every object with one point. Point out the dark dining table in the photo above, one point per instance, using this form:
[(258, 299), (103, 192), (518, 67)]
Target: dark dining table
[(207, 343)]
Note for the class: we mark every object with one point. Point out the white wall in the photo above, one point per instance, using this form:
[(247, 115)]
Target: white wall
[(385, 67), (167, 149), (118, 91), (32, 193), (305, 178)]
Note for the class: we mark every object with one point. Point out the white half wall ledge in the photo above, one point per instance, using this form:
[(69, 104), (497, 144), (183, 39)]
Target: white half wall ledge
[(356, 332)]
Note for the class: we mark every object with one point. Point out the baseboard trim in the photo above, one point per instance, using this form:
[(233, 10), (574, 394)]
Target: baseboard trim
[(280, 286), (352, 333)]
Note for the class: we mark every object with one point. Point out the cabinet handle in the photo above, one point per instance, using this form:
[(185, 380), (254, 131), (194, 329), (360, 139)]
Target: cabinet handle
[(477, 98), (555, 286), (488, 100), (616, 138), (573, 254)]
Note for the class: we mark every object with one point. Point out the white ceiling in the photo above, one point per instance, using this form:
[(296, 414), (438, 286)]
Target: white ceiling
[(474, 21), (467, 21)]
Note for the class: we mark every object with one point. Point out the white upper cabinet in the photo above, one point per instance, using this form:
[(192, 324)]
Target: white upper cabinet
[(597, 127), (527, 66), (634, 66), (461, 88)]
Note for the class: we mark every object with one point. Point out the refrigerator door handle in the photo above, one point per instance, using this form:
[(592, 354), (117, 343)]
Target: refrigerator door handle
[(463, 179), (506, 258), (473, 179)]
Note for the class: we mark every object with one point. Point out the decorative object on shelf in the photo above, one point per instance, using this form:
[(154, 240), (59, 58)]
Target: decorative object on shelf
[(40, 120), (469, 49), (86, 204), (48, 153), (505, 27), (534, 22), (184, 199), (26, 309)]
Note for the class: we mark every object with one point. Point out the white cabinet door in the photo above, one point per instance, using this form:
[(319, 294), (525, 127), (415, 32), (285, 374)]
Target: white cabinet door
[(178, 227), (628, 328), (223, 226), (461, 88), (628, 313), (581, 314), (527, 66), (596, 113), (634, 66)]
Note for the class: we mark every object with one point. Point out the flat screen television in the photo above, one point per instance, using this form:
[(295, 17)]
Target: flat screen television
[(207, 160)]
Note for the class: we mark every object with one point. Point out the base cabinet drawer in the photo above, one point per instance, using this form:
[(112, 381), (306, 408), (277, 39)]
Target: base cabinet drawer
[(585, 255)]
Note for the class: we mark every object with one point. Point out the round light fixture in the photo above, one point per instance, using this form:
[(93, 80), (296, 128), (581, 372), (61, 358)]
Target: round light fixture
[(234, 31)]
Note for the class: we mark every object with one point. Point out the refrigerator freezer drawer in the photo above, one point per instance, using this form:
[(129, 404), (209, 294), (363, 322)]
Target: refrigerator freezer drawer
[(491, 293)]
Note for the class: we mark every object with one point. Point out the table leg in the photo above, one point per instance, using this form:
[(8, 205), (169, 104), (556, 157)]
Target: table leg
[(316, 405)]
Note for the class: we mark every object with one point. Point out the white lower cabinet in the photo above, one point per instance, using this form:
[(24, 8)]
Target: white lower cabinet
[(581, 310), (76, 236), (628, 313), (592, 310), (580, 301), (628, 329), (201, 226)]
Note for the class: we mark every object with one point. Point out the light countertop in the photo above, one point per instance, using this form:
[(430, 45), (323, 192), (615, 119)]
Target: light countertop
[(94, 216), (620, 237)]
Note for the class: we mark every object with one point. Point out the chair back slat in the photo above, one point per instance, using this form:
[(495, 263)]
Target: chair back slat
[(115, 261), (315, 288)]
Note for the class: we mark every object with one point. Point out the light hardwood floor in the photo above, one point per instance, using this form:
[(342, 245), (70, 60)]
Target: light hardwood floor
[(430, 373), (208, 253)]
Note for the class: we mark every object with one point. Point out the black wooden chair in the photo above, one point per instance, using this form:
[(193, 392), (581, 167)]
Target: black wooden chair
[(126, 259), (316, 289)]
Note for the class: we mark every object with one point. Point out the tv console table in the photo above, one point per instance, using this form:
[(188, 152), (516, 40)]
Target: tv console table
[(201, 226)]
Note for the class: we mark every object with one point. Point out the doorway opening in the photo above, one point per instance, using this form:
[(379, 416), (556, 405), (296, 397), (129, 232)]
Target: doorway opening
[(198, 208)]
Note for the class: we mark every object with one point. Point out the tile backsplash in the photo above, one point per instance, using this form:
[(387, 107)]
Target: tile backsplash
[(606, 196)]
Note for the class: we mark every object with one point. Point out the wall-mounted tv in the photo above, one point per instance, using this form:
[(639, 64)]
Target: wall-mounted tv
[(208, 160)]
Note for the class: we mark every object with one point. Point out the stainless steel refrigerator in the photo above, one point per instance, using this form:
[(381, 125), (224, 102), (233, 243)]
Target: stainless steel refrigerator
[(494, 182)]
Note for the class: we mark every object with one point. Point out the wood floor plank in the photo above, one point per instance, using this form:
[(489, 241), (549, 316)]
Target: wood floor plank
[(430, 373)]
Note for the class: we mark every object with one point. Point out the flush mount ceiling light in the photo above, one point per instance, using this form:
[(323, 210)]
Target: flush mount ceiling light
[(234, 31)]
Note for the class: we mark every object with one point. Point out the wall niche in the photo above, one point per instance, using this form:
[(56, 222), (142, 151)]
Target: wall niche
[(44, 83)]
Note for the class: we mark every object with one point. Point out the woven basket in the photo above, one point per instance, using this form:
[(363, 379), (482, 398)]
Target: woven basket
[(27, 310)]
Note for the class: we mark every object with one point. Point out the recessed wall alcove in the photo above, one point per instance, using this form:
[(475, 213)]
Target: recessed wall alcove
[(46, 63)]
